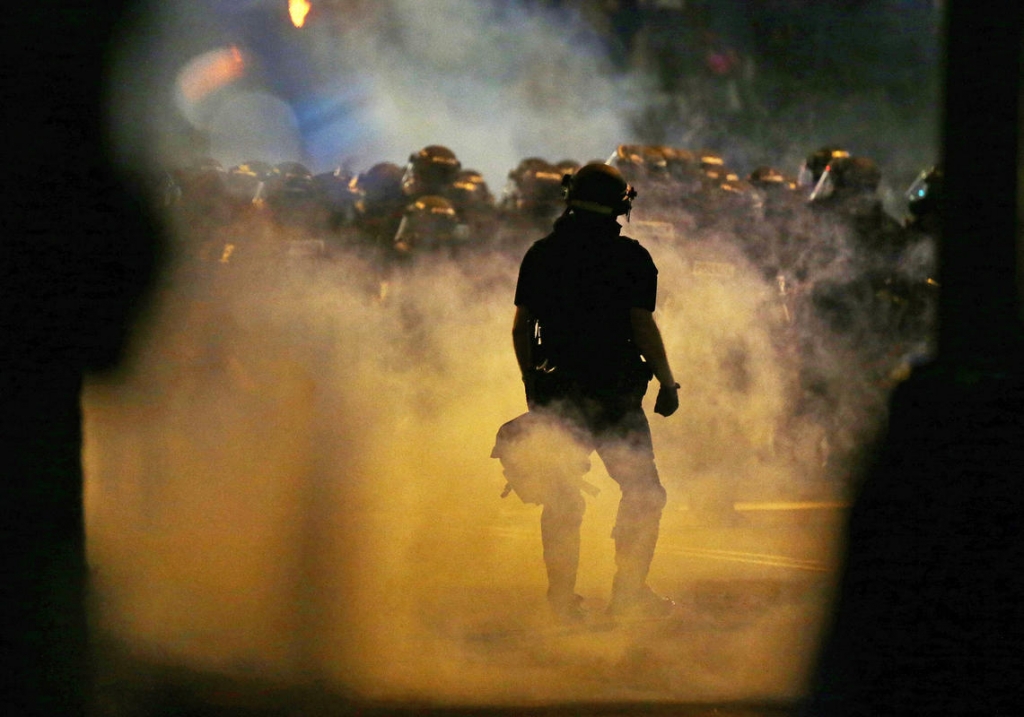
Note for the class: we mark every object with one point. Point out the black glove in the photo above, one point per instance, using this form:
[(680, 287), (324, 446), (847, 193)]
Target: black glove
[(668, 400)]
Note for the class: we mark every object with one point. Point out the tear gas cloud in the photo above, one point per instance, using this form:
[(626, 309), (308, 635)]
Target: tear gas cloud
[(292, 477)]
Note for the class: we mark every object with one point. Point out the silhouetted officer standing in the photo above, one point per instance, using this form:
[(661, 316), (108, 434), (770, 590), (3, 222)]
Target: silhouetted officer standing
[(587, 345)]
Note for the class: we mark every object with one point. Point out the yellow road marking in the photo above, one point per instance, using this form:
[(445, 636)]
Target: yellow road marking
[(780, 561), (793, 505)]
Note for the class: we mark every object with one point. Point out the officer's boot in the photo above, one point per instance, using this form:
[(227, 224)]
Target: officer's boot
[(636, 535), (560, 523)]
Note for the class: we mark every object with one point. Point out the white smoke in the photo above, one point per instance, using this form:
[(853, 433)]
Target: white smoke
[(496, 82)]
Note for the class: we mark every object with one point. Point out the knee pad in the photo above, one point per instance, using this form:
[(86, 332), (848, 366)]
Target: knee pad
[(639, 510), (565, 505), (647, 497)]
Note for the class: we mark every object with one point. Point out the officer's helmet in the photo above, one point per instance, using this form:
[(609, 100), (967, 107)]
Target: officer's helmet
[(246, 182), (599, 188), (566, 166), (534, 184), (848, 175), (380, 184), (639, 161), (432, 168), (471, 190), (767, 177), (289, 182), (815, 163)]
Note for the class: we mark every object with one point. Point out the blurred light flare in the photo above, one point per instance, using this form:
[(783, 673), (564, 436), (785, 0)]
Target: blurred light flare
[(298, 10), (209, 72)]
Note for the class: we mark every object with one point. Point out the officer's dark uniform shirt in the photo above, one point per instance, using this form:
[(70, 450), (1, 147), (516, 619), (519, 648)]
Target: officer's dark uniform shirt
[(580, 282)]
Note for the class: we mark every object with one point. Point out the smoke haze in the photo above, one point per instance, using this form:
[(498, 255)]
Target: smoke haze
[(292, 478), (295, 479)]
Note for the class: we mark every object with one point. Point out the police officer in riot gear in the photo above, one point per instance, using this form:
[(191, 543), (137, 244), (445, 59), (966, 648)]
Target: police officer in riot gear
[(431, 171), (918, 262), (778, 239), (531, 201), (859, 308), (429, 225), (246, 185), (334, 201), (650, 165), (924, 197), (814, 165), (379, 206), (476, 207), (290, 197), (587, 345)]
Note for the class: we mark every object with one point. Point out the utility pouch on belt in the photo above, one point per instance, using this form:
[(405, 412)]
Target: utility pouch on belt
[(541, 456), (637, 376)]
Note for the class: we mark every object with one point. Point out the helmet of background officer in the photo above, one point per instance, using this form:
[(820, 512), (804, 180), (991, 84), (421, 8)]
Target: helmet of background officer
[(470, 191), (710, 160), (598, 189), (430, 223), (531, 164), (201, 181), (246, 182), (676, 158), (683, 167), (741, 199), (639, 162), (290, 182), (534, 188), (714, 191), (378, 188), (815, 163), (566, 166), (379, 202), (202, 195), (714, 170), (770, 179), (925, 194), (290, 195), (335, 200), (779, 192), (432, 170), (333, 188), (475, 205), (847, 176)]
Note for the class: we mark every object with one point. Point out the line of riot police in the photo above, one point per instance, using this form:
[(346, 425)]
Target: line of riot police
[(855, 289), (852, 285)]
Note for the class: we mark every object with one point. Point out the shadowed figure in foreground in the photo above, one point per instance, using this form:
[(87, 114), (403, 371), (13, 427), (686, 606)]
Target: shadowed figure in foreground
[(928, 618), (76, 259)]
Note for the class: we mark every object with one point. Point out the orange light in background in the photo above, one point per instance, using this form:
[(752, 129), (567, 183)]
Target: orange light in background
[(209, 72), (298, 9)]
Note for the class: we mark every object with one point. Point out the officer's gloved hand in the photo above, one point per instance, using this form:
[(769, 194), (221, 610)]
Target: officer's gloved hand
[(668, 399)]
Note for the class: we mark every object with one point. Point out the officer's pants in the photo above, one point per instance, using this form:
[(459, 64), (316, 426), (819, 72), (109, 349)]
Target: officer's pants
[(627, 452)]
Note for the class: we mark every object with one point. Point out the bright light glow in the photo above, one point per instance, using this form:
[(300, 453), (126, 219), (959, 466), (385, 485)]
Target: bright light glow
[(298, 9), (210, 72)]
